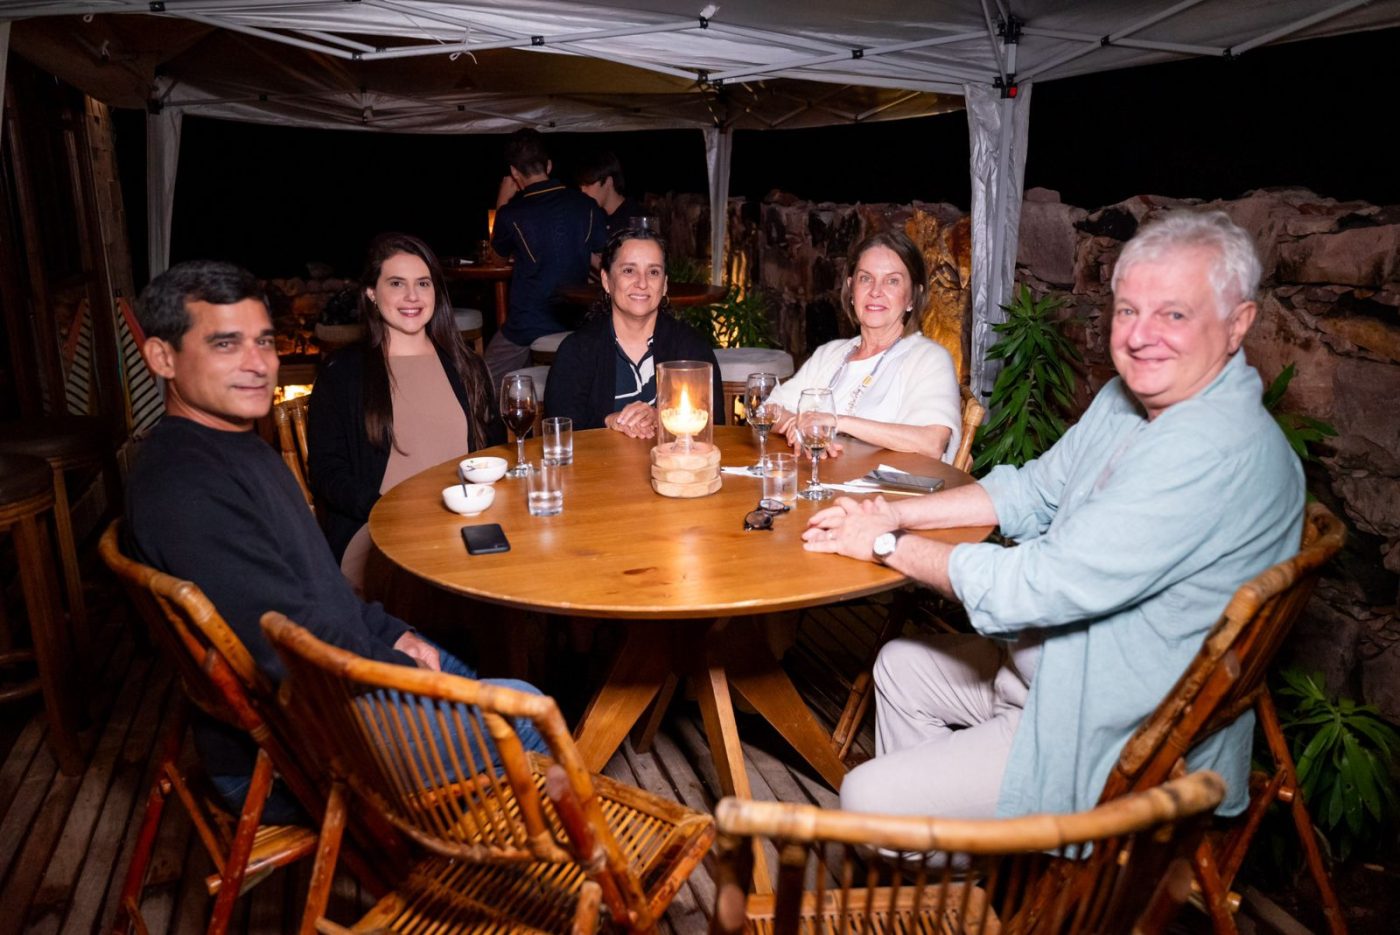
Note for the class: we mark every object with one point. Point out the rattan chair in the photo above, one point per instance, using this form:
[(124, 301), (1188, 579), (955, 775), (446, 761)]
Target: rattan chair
[(1224, 680), (219, 678), (500, 853), (857, 705), (1116, 868), (290, 415)]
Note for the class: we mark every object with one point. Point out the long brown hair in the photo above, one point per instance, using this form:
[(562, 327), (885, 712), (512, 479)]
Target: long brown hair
[(913, 260), (442, 331)]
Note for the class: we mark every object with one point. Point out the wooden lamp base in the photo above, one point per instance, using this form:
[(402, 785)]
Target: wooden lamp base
[(685, 474)]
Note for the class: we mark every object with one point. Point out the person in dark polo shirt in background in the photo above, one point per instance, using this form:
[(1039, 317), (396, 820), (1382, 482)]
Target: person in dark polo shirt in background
[(554, 233), (601, 179)]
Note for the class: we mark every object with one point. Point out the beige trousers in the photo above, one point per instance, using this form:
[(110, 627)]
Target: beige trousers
[(946, 709)]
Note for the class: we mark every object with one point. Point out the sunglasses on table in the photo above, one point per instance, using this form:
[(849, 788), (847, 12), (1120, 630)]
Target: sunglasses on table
[(762, 518)]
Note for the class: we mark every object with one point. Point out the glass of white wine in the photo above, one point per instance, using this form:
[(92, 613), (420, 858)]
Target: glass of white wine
[(816, 424), (760, 412)]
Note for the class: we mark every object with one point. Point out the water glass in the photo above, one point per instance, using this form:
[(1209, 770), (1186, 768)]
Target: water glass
[(544, 488), (779, 478), (558, 435)]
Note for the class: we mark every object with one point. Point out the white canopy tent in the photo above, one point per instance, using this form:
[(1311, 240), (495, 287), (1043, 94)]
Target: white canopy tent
[(493, 66)]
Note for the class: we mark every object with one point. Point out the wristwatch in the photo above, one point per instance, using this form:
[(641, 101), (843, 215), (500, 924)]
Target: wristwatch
[(886, 543)]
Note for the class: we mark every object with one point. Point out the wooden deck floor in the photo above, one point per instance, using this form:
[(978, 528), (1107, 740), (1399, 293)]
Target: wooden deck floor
[(65, 841)]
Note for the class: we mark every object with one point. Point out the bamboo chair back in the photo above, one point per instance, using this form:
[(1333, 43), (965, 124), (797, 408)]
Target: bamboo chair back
[(1227, 675), (412, 745), (1113, 869), (290, 416), (218, 677), (1227, 678), (216, 671)]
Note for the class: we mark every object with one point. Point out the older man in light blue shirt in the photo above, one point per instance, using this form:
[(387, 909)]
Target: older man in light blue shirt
[(1134, 530)]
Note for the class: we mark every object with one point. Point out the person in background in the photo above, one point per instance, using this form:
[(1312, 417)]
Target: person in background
[(553, 233), (605, 373), (893, 387), (601, 179), (209, 501), (1133, 532), (412, 395)]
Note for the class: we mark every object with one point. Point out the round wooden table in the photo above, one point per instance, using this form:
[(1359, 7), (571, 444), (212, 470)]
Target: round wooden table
[(689, 575)]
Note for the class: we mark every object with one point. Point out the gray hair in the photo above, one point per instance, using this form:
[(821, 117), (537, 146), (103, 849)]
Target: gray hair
[(1235, 272)]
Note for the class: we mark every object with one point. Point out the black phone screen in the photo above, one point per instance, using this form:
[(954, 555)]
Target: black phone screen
[(485, 538)]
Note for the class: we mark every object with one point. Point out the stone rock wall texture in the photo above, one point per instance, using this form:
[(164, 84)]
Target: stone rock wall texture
[(1329, 304)]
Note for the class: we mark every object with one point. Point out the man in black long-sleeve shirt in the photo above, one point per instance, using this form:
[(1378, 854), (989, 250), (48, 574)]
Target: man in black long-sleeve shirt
[(209, 501)]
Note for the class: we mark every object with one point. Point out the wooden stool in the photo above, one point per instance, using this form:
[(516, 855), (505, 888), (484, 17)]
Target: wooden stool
[(543, 348), (26, 493), (67, 443), (469, 323)]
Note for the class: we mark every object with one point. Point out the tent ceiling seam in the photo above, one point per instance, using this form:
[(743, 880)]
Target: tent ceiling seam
[(1125, 32), (1319, 17), (270, 36), (847, 54), (1130, 43)]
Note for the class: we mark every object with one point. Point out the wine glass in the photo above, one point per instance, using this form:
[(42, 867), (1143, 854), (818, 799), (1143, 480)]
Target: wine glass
[(518, 408), (760, 412), (816, 426)]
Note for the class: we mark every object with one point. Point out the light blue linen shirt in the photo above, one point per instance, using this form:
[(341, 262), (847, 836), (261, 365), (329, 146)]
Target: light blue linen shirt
[(1133, 535)]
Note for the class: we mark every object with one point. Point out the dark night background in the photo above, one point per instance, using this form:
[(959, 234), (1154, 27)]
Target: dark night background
[(1317, 114)]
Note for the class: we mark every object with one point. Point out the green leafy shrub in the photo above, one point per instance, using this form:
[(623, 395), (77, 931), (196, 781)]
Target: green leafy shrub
[(1345, 754), (1035, 388), (1301, 431), (741, 320), (687, 269)]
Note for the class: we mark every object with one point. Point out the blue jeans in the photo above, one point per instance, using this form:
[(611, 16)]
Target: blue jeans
[(281, 808)]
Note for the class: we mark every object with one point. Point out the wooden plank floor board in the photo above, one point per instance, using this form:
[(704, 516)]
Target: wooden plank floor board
[(53, 896), (66, 842), (122, 809)]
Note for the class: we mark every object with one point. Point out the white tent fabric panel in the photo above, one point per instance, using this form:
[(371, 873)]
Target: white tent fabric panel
[(719, 149), (997, 128), (162, 161)]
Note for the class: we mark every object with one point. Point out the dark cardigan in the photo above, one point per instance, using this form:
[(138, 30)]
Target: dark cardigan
[(346, 470), (582, 381)]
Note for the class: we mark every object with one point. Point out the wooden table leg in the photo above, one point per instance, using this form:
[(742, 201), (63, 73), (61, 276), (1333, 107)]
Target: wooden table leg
[(502, 302), (756, 674), (643, 662), (722, 732)]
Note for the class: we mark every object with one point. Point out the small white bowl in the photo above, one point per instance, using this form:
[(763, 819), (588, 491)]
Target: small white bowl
[(483, 470), (470, 500)]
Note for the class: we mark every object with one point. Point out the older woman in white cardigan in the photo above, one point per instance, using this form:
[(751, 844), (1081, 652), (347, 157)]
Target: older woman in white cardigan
[(893, 388)]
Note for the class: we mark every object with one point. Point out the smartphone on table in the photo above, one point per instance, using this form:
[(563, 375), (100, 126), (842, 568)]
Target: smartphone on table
[(485, 538), (902, 481)]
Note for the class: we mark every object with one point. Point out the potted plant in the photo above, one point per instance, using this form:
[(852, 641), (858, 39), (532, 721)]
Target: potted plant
[(1035, 389)]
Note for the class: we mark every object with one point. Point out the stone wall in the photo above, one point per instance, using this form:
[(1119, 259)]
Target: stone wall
[(1330, 304)]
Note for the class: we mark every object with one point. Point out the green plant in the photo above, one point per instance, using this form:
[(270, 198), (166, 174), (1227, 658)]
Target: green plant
[(1301, 431), (687, 269), (1345, 754), (741, 320), (1035, 387)]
